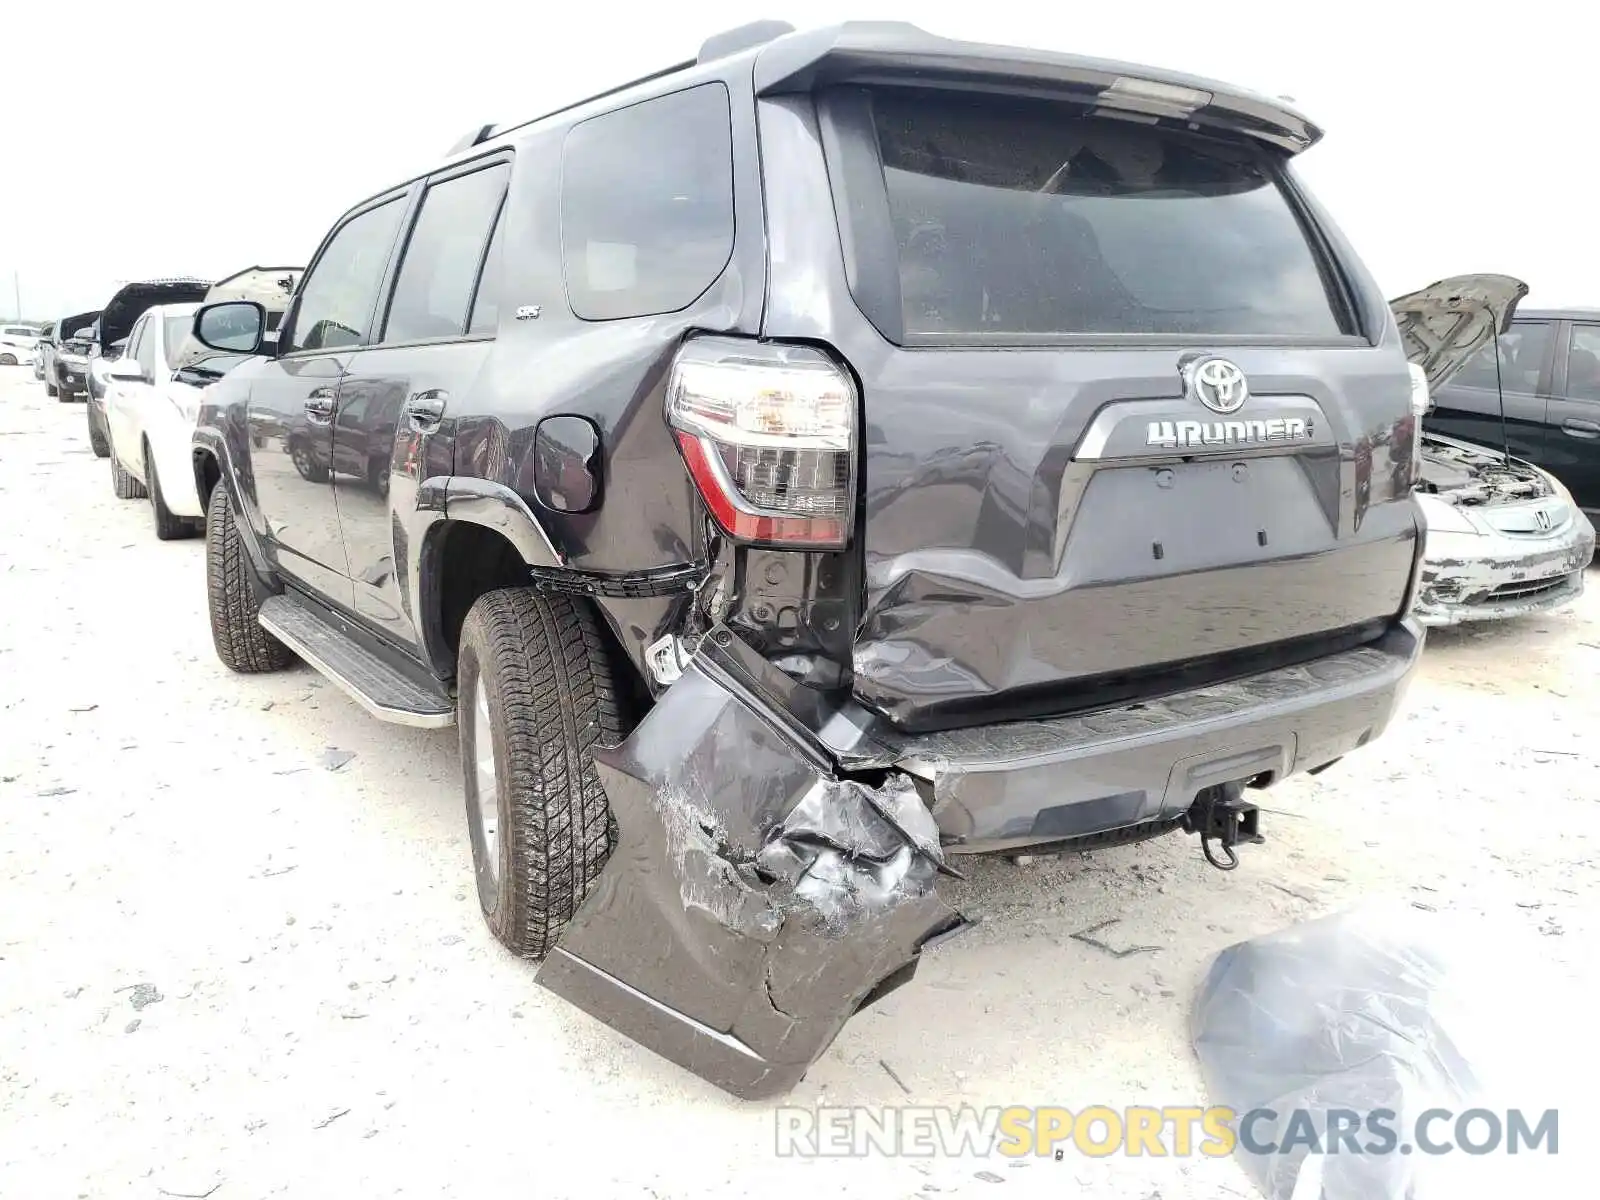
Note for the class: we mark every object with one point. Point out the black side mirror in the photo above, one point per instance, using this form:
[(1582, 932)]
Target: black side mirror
[(234, 326)]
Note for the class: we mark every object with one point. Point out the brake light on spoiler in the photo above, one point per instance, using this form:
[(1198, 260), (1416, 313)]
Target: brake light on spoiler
[(768, 433)]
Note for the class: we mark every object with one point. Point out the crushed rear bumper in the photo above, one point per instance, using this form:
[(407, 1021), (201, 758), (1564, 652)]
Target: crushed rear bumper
[(752, 902), (776, 858)]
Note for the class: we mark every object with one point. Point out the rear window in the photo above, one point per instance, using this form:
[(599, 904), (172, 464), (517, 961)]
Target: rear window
[(1015, 216)]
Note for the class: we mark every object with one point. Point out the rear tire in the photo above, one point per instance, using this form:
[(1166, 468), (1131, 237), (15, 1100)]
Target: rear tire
[(123, 484), (8, 360), (169, 526), (241, 643), (549, 699), (97, 436)]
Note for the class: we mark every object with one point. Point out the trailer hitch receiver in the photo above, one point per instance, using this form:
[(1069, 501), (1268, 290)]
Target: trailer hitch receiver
[(1222, 815)]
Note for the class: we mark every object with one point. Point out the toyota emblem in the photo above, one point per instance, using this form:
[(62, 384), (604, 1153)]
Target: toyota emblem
[(1216, 383)]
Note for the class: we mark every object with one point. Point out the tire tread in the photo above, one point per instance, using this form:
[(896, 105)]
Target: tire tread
[(549, 676), (241, 643)]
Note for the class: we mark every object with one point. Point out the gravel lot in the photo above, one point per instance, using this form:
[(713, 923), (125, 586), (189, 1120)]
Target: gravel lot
[(240, 951)]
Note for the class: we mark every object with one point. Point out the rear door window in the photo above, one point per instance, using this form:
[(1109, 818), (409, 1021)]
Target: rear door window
[(444, 255), (1583, 363), (1028, 217)]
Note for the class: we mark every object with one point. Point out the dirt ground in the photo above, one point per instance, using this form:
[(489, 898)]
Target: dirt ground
[(240, 954)]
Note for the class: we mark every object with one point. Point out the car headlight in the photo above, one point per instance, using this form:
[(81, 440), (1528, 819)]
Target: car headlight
[(1443, 517)]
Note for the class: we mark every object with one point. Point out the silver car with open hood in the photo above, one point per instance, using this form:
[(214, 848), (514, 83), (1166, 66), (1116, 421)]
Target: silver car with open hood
[(1504, 538)]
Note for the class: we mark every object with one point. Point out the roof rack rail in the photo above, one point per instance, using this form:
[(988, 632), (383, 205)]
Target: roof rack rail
[(480, 134), (720, 45), (744, 37)]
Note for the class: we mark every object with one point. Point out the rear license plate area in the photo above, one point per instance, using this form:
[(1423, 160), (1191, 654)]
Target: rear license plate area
[(1139, 522)]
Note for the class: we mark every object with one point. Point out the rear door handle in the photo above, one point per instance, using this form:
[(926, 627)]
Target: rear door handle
[(319, 406), (1575, 427), (425, 410)]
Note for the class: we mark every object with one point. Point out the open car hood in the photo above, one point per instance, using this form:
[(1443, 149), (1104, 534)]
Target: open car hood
[(270, 287), (1446, 323), (129, 304), (75, 326)]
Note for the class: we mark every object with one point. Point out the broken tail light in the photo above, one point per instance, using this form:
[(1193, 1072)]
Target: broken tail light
[(768, 432)]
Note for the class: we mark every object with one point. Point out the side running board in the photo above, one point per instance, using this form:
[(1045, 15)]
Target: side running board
[(385, 691)]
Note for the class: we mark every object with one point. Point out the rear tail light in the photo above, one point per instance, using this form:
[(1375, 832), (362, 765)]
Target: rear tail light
[(768, 432)]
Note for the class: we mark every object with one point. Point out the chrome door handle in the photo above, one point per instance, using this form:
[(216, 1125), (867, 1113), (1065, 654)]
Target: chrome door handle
[(1575, 427), (424, 410), (319, 406)]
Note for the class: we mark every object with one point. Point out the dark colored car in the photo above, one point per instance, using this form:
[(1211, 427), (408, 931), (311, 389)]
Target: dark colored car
[(111, 334), (838, 453), (1549, 374)]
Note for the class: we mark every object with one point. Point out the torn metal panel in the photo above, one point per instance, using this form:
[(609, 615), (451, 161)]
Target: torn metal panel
[(754, 901)]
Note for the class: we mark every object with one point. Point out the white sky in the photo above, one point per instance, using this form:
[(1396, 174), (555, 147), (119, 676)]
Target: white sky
[(174, 138)]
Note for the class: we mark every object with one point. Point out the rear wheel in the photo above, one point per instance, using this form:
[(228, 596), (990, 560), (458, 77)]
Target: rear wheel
[(97, 435), (123, 484), (535, 697), (241, 643), (8, 360), (169, 526)]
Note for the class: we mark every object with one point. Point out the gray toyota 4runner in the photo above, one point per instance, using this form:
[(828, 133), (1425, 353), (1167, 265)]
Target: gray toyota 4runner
[(838, 454)]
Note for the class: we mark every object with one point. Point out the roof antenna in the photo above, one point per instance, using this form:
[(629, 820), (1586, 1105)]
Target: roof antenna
[(1500, 394)]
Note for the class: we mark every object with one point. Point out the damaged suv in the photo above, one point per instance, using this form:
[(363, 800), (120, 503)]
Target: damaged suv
[(830, 456)]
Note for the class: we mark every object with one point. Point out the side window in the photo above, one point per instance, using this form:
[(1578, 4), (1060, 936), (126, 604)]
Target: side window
[(1583, 363), (1523, 351), (486, 304), (440, 269), (175, 332), (144, 350), (647, 205), (337, 298)]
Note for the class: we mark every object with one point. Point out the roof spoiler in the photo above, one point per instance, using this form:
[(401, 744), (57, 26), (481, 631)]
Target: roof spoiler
[(862, 52)]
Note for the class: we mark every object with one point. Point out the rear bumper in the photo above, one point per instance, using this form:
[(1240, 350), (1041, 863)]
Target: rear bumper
[(761, 891), (1007, 786)]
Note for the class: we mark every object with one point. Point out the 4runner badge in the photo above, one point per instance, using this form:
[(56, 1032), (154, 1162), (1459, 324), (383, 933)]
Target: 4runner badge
[(1184, 435), (1216, 383)]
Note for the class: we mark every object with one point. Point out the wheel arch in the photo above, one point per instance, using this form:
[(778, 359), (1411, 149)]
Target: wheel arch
[(213, 466), (469, 536)]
